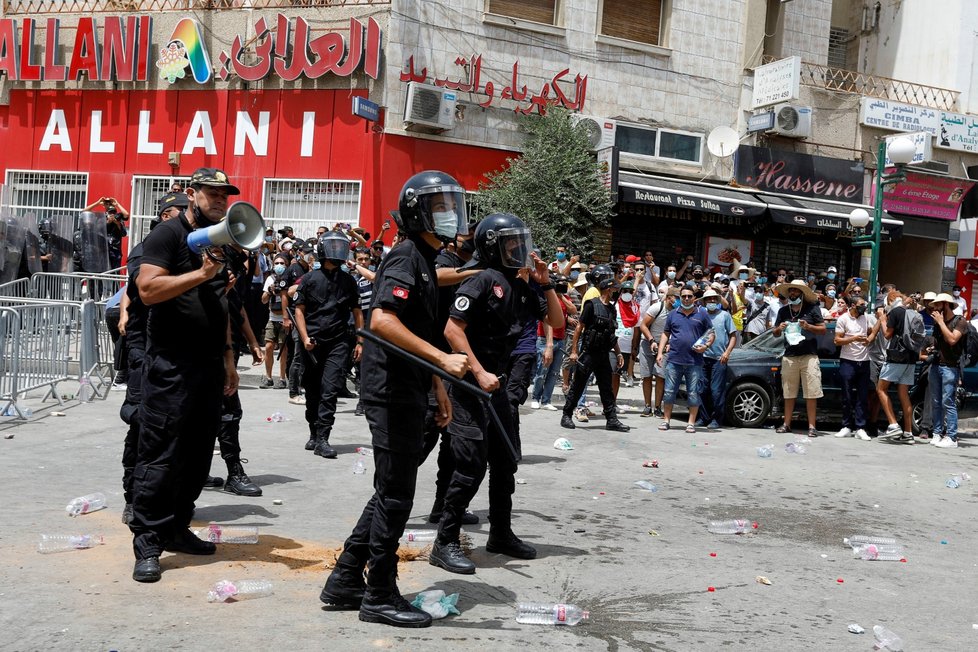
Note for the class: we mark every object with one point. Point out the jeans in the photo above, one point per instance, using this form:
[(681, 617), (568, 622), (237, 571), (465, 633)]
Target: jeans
[(944, 381), (546, 377), (713, 388), (855, 390), (692, 373)]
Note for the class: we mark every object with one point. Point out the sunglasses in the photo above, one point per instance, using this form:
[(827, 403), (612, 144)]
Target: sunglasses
[(687, 296)]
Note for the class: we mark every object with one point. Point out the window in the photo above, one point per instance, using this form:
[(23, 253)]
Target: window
[(47, 194), (665, 144), (634, 20), (537, 11), (838, 48), (146, 193), (305, 204)]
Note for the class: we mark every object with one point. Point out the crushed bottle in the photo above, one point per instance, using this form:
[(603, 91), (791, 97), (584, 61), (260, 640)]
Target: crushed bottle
[(874, 552), (216, 533), (418, 537), (276, 417), (863, 539), (794, 447), (359, 468), (646, 485), (234, 590), (957, 480), (765, 451), (64, 542), (885, 639), (86, 504), (364, 450), (734, 526), (538, 613), (85, 390)]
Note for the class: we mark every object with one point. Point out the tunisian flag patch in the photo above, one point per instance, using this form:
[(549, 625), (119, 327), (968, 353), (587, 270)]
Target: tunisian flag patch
[(498, 290), (400, 293)]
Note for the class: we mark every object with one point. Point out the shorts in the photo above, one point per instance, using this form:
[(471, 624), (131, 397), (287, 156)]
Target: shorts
[(874, 371), (898, 373), (646, 361), (801, 370), (275, 332), (692, 374)]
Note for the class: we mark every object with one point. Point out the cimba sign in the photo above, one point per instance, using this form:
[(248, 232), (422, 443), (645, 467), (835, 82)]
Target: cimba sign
[(125, 51)]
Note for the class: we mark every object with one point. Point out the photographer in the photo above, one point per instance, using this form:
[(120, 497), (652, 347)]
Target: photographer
[(116, 217)]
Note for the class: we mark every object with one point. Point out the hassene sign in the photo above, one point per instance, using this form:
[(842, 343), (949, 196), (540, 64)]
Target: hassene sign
[(804, 175)]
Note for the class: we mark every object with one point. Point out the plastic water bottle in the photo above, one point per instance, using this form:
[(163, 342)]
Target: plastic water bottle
[(765, 451), (86, 504), (85, 390), (700, 345), (863, 539), (956, 480), (874, 552), (794, 447), (233, 590), (645, 484), (539, 613), (276, 417), (887, 639), (363, 450), (736, 526), (359, 468), (418, 536), (224, 534), (64, 542)]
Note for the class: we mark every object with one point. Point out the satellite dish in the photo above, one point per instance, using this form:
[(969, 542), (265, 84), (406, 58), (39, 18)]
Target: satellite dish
[(722, 142)]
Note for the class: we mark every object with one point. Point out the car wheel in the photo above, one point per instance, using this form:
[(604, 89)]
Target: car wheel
[(748, 405), (918, 416)]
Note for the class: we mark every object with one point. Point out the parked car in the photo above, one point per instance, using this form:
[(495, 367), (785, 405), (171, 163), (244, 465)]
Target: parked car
[(754, 383)]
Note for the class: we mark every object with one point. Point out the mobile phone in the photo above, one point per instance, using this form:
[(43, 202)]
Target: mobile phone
[(857, 280)]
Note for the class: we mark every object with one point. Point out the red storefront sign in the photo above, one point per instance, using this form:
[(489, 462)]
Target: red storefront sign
[(926, 195)]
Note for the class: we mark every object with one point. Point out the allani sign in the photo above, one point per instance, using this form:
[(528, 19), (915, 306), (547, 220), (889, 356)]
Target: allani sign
[(777, 82)]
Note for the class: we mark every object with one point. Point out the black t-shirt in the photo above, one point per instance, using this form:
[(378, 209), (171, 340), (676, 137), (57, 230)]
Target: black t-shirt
[(405, 285), (495, 308), (446, 294), (193, 324), (811, 313), (600, 324), (896, 352), (950, 355), (136, 324), (329, 298)]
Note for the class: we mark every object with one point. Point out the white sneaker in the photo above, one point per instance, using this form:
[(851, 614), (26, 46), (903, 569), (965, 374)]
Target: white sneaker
[(845, 432), (535, 405), (550, 406), (892, 430), (935, 440), (862, 434), (947, 442)]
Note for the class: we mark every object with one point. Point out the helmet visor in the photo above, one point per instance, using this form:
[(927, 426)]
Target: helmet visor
[(515, 246), (335, 247), (446, 207)]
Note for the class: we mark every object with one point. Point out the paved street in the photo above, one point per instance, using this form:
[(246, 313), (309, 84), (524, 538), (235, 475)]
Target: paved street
[(640, 562)]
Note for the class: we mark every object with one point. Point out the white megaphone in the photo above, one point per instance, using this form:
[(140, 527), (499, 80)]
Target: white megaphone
[(243, 227)]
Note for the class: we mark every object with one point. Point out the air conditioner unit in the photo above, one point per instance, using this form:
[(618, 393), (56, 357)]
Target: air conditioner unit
[(600, 131), (792, 121), (429, 109)]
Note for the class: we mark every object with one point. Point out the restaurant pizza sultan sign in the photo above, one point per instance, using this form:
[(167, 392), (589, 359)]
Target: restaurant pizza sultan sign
[(116, 48)]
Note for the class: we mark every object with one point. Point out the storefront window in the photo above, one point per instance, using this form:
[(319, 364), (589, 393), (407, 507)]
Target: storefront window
[(635, 140), (680, 146), (306, 204), (46, 194), (146, 193)]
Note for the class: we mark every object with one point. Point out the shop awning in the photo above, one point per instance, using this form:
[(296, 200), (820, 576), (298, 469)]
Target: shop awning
[(815, 214), (703, 197)]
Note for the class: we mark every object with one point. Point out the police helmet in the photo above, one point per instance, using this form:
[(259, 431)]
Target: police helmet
[(601, 277), (503, 240), (45, 227), (433, 202), (334, 246)]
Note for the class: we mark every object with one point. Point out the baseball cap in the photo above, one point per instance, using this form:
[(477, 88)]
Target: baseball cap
[(832, 269), (376, 243), (632, 259), (214, 178), (172, 200)]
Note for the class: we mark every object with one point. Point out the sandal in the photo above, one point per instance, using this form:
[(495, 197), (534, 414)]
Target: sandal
[(664, 425), (691, 429), (782, 429)]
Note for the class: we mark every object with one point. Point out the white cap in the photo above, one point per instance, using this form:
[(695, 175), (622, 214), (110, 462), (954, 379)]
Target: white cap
[(832, 269)]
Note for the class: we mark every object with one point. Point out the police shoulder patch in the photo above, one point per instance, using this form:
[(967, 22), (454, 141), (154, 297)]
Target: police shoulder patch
[(498, 290), (461, 304)]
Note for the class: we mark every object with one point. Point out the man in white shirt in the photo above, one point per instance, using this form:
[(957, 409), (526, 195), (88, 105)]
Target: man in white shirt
[(760, 318), (960, 304), (854, 332)]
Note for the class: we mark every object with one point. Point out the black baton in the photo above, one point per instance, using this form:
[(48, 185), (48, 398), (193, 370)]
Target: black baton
[(475, 390)]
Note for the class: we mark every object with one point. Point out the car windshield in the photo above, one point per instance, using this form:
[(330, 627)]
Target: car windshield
[(769, 343)]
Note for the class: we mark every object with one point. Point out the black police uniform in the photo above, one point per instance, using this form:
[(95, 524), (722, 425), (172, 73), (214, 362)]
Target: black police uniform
[(597, 341), (328, 298), (182, 388), (294, 361), (394, 394), (136, 345), (494, 307)]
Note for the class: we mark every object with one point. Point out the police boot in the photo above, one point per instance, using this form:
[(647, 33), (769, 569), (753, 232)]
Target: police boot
[(506, 543), (323, 449), (344, 588), (238, 481), (311, 444), (613, 423), (450, 557), (567, 422), (386, 606)]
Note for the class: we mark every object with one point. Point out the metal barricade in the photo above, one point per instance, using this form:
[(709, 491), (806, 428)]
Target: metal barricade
[(56, 286), (19, 288), (35, 350)]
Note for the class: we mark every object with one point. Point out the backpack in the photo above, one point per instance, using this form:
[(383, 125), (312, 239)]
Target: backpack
[(969, 357), (913, 335)]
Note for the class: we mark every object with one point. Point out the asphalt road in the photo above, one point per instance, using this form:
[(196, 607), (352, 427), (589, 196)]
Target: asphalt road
[(640, 562)]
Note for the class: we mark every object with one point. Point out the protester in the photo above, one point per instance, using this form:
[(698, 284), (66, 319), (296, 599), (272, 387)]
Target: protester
[(854, 332), (950, 336), (800, 321), (684, 327), (550, 351), (651, 327), (713, 389), (904, 332)]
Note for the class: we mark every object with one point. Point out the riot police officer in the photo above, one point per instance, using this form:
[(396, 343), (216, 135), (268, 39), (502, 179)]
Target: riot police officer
[(403, 312), (595, 335), (324, 302), (189, 365), (44, 243), (485, 322)]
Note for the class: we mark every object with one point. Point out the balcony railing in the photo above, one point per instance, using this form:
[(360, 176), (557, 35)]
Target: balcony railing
[(848, 81), (14, 7)]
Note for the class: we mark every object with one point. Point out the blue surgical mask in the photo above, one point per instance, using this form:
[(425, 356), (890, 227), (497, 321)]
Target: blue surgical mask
[(686, 306), (742, 277), (268, 238), (762, 280), (831, 294), (831, 276), (574, 274), (446, 223), (670, 275), (279, 269), (561, 255), (712, 307), (626, 296), (676, 303), (317, 265), (794, 302), (811, 278)]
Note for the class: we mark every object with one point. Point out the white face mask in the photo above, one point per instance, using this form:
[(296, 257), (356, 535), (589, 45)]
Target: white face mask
[(446, 223), (626, 297), (957, 293), (712, 307), (671, 275)]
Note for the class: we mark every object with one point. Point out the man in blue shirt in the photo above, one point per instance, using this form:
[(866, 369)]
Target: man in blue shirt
[(684, 327), (714, 385)]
